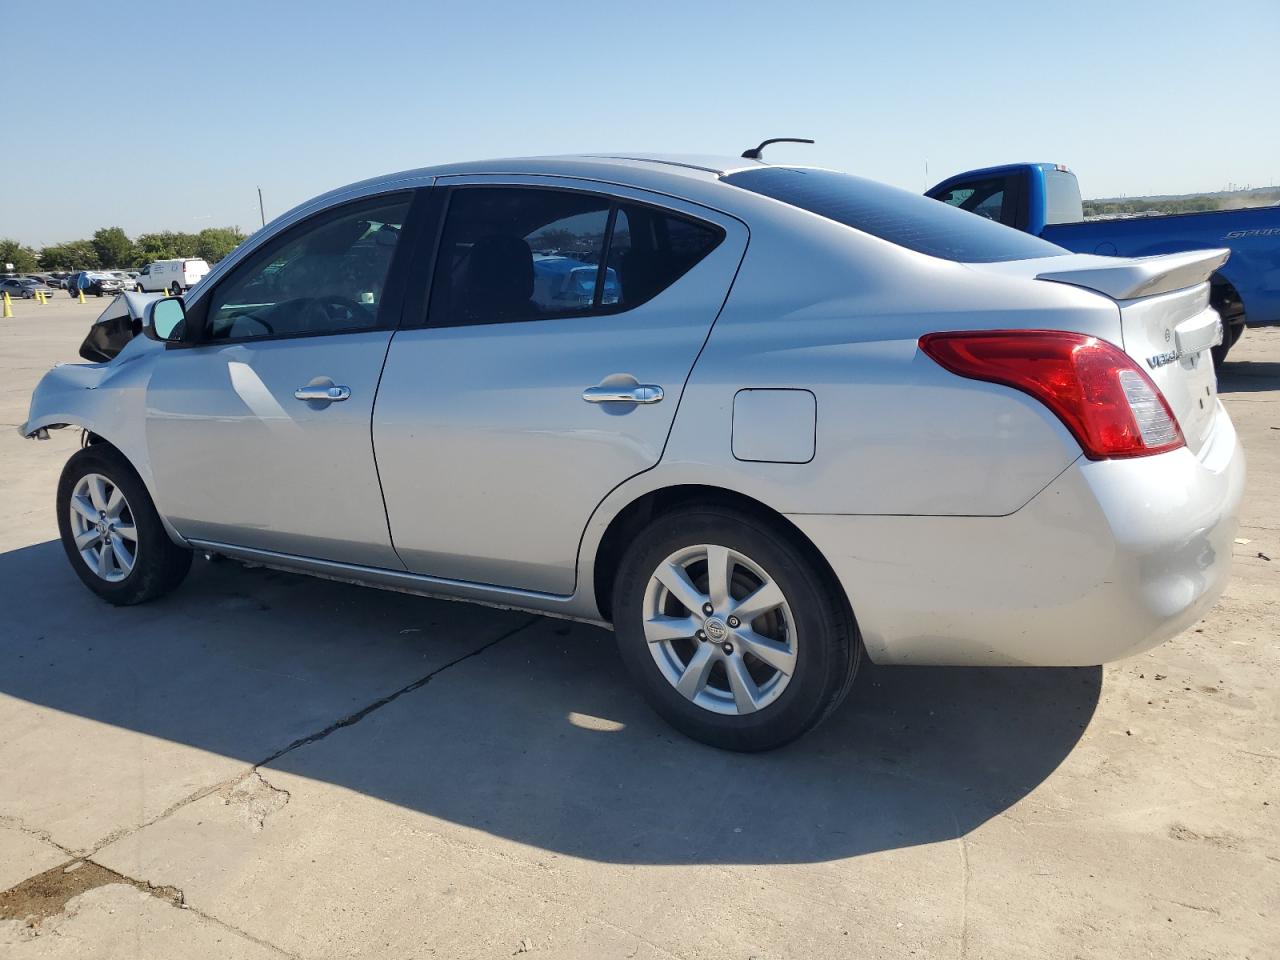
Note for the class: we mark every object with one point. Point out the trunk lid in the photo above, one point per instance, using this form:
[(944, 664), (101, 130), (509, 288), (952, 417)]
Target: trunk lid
[(1166, 324)]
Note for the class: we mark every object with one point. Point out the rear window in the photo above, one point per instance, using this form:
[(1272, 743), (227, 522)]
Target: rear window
[(906, 219), (1062, 197)]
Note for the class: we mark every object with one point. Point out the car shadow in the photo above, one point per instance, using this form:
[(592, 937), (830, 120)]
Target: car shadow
[(1249, 376), (533, 733)]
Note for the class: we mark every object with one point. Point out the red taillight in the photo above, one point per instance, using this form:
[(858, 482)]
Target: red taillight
[(1097, 391)]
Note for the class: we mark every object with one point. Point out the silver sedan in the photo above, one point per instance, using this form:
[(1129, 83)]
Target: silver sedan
[(761, 420)]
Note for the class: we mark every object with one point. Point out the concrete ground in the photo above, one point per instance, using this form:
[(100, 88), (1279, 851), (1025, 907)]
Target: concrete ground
[(264, 765)]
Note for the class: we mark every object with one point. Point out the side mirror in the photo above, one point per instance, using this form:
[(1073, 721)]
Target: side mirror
[(165, 319)]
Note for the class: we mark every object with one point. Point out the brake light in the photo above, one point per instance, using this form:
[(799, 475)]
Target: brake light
[(1108, 403)]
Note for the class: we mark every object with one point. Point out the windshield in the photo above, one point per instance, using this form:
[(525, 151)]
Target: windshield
[(903, 218)]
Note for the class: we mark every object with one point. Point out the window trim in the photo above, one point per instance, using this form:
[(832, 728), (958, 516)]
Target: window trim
[(389, 310), (424, 320)]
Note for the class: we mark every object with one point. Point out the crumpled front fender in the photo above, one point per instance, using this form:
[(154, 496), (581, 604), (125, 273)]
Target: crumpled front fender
[(107, 399)]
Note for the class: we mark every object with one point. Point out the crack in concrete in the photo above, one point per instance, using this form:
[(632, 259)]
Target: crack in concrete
[(964, 889), (230, 782), (378, 704), (46, 894), (238, 932), (14, 823)]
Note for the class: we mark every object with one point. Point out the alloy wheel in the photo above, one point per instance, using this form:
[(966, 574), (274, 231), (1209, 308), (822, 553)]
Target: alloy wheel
[(102, 524), (720, 629)]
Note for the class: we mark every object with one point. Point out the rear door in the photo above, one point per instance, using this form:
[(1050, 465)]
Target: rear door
[(546, 368)]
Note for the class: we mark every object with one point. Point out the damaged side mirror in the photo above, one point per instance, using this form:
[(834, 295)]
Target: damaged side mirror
[(165, 319)]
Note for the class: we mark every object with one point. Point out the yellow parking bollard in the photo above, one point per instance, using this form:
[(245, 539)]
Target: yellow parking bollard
[(82, 296), (40, 297), (8, 306)]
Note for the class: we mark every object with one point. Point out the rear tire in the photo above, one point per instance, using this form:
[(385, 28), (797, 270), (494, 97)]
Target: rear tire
[(728, 684), (1224, 299), (123, 553)]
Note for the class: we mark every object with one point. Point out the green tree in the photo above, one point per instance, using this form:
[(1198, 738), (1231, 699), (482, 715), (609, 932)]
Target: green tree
[(114, 248), (72, 255), (214, 243), (22, 258), (166, 246)]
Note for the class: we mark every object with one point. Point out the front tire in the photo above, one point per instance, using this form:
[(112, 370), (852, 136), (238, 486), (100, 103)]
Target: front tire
[(111, 532), (734, 632)]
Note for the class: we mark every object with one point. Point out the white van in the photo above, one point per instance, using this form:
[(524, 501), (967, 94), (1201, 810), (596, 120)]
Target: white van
[(172, 276)]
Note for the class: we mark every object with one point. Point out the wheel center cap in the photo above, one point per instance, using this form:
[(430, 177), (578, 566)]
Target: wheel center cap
[(715, 628), (102, 527)]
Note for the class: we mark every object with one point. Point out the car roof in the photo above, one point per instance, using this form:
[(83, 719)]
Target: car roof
[(633, 169)]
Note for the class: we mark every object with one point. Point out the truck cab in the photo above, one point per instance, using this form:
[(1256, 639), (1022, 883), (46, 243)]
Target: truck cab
[(1025, 196), (1044, 199)]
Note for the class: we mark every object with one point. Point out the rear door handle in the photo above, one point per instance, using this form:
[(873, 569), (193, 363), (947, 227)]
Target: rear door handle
[(624, 393), (325, 394)]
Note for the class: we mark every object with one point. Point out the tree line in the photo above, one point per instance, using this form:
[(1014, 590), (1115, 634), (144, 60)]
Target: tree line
[(111, 248), (1191, 203)]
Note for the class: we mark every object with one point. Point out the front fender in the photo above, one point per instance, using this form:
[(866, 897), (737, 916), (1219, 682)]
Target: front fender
[(106, 399)]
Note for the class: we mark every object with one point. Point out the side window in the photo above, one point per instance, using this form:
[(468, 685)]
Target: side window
[(324, 276), (983, 197), (997, 199), (652, 249), (991, 206), (512, 253)]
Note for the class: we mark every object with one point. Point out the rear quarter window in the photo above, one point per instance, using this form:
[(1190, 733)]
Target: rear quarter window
[(907, 219)]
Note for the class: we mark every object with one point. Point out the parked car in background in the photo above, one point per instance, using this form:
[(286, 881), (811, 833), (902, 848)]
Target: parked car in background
[(21, 288), (1044, 199), (93, 283), (817, 417), (171, 276)]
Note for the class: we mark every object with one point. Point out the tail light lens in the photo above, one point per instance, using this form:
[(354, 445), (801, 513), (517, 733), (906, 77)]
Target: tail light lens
[(1108, 403)]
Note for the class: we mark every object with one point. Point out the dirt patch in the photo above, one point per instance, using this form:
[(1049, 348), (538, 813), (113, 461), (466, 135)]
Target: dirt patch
[(46, 894)]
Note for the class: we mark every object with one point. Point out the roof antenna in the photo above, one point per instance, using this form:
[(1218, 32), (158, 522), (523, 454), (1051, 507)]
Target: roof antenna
[(757, 153)]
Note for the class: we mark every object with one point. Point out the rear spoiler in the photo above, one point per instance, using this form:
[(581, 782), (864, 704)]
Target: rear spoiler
[(1131, 277)]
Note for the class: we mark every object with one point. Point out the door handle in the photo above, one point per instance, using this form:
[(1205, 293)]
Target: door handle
[(325, 394), (624, 393)]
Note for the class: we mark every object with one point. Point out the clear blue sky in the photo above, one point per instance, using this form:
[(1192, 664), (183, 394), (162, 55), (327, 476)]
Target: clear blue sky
[(169, 115)]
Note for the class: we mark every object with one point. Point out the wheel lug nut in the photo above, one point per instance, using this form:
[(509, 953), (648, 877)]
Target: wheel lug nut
[(734, 622), (708, 609), (701, 635), (727, 648)]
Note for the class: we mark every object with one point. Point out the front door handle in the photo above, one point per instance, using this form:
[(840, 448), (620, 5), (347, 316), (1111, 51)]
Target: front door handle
[(325, 394), (624, 393)]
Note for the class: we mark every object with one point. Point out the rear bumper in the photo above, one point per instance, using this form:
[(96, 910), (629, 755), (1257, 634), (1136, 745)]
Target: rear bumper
[(1111, 559)]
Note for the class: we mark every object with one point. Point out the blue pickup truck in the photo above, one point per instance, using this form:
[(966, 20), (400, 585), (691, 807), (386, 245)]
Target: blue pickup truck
[(1044, 199)]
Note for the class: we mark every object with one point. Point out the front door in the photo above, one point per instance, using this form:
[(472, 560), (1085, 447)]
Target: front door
[(562, 325), (258, 430)]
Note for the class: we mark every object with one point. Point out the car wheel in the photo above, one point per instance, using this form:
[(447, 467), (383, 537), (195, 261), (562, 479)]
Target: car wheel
[(111, 532), (734, 633)]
